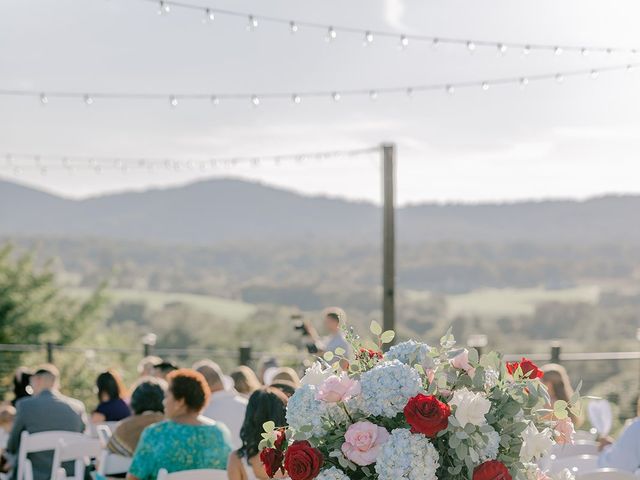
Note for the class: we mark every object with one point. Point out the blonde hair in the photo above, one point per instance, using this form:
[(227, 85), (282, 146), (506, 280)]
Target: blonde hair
[(245, 380), (288, 374), (557, 377)]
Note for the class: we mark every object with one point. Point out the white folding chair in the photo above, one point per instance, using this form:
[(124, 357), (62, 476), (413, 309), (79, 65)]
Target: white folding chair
[(104, 434), (585, 435), (112, 463), (79, 451), (607, 474), (577, 465), (201, 474), (582, 447), (40, 442)]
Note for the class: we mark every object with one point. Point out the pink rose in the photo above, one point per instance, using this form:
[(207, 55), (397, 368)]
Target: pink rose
[(461, 362), (338, 389), (564, 431), (363, 441), (431, 374)]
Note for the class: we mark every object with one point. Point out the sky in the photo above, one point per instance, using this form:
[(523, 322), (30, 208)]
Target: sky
[(574, 139)]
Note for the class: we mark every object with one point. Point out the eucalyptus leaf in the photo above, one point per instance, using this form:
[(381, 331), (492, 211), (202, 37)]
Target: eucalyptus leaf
[(388, 336), (340, 351), (269, 426), (375, 328), (328, 356)]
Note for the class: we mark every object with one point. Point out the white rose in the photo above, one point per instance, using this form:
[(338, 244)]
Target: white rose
[(535, 444), (470, 407), (315, 375)]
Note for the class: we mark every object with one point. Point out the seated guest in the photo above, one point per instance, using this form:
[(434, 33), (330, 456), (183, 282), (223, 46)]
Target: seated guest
[(146, 404), (225, 404), (46, 410), (556, 379), (623, 454), (162, 369), (186, 440), (7, 416), (111, 393), (268, 404), (285, 387), (245, 380), (287, 374), (147, 365)]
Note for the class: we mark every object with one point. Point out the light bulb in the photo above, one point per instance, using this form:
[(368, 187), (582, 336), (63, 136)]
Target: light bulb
[(209, 16), (559, 78), (450, 89), (335, 96), (255, 100), (43, 99), (435, 42), (502, 48), (609, 51), (88, 99), (163, 8), (368, 39), (293, 27), (214, 100), (526, 50), (410, 92), (404, 41), (594, 74), (295, 98), (584, 52), (373, 95), (252, 23), (485, 86), (524, 81), (557, 51), (331, 34), (173, 101), (471, 46)]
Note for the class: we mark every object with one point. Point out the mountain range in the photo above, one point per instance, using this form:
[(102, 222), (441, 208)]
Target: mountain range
[(226, 211)]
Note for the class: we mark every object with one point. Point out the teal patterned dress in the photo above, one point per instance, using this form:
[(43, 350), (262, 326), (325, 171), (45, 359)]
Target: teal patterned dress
[(177, 446)]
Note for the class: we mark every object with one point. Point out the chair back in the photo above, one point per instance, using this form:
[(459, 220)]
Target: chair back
[(104, 434), (577, 465), (201, 474), (81, 451), (40, 442), (582, 447), (607, 474), (112, 463)]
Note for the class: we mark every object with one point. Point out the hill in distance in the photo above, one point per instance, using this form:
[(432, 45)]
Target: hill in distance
[(223, 211)]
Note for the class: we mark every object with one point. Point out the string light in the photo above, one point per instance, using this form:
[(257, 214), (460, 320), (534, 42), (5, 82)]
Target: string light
[(485, 86), (373, 95), (185, 4), (524, 81), (471, 46), (404, 41), (526, 50), (336, 95), (450, 89), (331, 34), (559, 78), (70, 163), (584, 52), (209, 16), (293, 27), (295, 98), (557, 51), (410, 92), (252, 23), (594, 74), (502, 48), (368, 39)]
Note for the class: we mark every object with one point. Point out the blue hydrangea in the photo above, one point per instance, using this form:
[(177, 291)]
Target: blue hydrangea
[(387, 388), (409, 352), (332, 474), (407, 456), (303, 410)]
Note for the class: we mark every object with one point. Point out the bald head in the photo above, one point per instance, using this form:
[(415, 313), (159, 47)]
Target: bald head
[(212, 373)]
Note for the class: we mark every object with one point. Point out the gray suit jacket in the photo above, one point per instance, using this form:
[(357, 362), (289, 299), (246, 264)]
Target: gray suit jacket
[(50, 410)]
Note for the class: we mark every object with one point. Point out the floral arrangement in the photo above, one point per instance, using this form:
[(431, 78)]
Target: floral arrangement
[(417, 412)]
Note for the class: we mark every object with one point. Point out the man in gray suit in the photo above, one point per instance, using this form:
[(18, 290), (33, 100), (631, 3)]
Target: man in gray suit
[(46, 410)]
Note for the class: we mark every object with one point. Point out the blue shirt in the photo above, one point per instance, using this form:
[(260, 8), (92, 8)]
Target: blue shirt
[(624, 454), (177, 446), (114, 410)]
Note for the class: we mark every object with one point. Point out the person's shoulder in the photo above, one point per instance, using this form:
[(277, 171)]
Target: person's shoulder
[(633, 427), (74, 403)]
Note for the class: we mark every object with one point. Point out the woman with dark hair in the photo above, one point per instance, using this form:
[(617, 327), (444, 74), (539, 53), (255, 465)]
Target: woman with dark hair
[(146, 403), (21, 387), (186, 440), (111, 394), (268, 404)]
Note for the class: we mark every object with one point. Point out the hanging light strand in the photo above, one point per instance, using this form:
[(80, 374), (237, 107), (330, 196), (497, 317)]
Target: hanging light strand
[(369, 34), (256, 98), (17, 162)]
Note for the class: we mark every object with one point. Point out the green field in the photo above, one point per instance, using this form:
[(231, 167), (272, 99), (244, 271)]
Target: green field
[(221, 307), (511, 301)]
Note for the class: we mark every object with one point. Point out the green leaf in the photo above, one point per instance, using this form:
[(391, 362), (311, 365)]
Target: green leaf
[(560, 406), (340, 351), (269, 426), (388, 336), (375, 328), (328, 356)]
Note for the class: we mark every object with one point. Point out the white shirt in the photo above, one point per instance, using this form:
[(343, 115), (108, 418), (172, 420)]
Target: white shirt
[(228, 407)]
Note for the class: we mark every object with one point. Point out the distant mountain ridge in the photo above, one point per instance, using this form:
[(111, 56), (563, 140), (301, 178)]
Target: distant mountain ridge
[(224, 210)]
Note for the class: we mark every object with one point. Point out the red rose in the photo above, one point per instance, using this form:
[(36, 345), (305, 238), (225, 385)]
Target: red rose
[(368, 353), (271, 458), (491, 470), (426, 414), (529, 369), (302, 461)]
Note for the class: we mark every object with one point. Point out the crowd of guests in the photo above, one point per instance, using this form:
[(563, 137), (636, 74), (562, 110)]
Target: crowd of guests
[(198, 417), (173, 418)]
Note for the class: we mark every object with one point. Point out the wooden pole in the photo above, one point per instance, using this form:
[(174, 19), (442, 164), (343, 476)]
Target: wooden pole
[(388, 236)]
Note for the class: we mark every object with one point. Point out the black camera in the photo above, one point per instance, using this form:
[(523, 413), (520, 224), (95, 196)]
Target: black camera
[(299, 325)]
